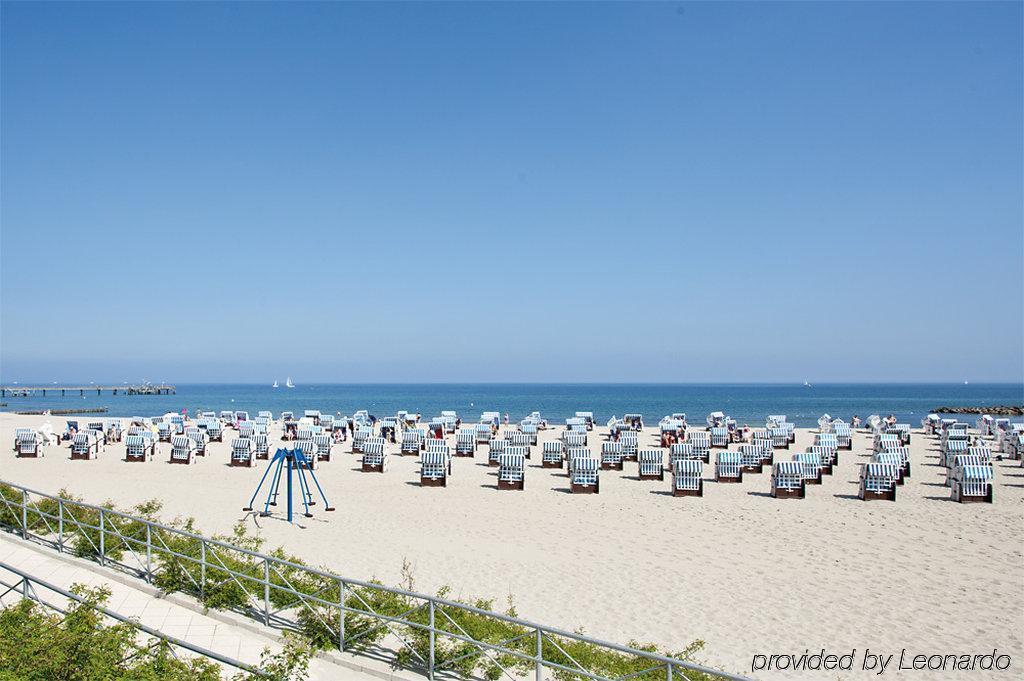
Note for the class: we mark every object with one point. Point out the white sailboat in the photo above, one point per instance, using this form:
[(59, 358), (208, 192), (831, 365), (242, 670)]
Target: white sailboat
[(288, 383), (275, 384)]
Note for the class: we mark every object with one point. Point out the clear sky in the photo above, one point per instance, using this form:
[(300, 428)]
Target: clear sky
[(532, 192)]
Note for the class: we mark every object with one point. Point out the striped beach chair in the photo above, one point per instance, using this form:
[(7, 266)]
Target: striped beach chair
[(465, 442), (574, 439), (198, 437), (27, 443), (323, 445), (164, 430), (961, 460), (719, 436), (972, 483), (611, 455), (630, 442), (261, 446), (573, 453), (651, 464), (242, 452), (512, 468), (412, 441), (552, 454), (701, 441), (136, 448), (681, 451), (214, 430), (829, 441), (750, 458), (811, 466), (891, 458), (530, 430), (767, 450), (245, 429), (434, 468), (495, 448), (902, 430), (483, 433), (886, 441), (878, 481), (85, 446), (844, 435), (687, 478), (950, 448), (779, 437), (825, 455), (359, 439), (375, 456), (309, 451), (517, 439), (788, 480), (728, 467), (584, 478), (1012, 446), (114, 431)]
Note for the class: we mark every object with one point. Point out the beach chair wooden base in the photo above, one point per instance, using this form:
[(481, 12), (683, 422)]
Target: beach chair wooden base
[(653, 476), (906, 470), (433, 482), (584, 489), (768, 460), (890, 495), (816, 480), (511, 484), (551, 464), (492, 462), (971, 498), (34, 454), (244, 463), (706, 457), (185, 461), (261, 455), (752, 468), (372, 468), (699, 492), (726, 478), (629, 457), (826, 469), (465, 454), (612, 465), (789, 492), (132, 458), (82, 456)]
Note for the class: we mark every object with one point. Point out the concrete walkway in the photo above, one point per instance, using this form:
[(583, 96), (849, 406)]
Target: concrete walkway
[(175, 615)]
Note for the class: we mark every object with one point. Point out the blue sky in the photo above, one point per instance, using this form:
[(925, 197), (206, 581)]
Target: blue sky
[(533, 192)]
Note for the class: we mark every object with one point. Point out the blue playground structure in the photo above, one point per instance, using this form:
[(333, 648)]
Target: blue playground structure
[(283, 463)]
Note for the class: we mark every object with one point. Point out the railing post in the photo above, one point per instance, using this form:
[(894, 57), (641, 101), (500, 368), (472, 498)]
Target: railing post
[(430, 664), (266, 591), (24, 514), (60, 525), (341, 615), (149, 553), (202, 570), (103, 535), (540, 655), (668, 671)]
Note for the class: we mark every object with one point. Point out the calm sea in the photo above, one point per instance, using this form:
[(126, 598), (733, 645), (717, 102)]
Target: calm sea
[(747, 403)]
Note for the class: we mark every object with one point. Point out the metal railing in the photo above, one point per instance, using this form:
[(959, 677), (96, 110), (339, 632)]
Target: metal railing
[(425, 633), (26, 586)]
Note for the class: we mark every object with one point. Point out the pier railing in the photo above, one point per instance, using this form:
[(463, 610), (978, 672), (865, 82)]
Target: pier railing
[(24, 585), (429, 634)]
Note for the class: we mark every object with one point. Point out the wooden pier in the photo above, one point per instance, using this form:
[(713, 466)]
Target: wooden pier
[(27, 390)]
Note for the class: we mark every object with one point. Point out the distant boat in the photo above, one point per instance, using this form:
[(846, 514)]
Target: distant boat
[(806, 384), (288, 383), (275, 384), (965, 382)]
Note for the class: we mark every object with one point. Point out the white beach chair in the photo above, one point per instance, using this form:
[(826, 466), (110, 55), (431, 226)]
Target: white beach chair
[(788, 480), (137, 448), (434, 468), (719, 437), (651, 464), (242, 452), (512, 469), (728, 467), (811, 466), (878, 481), (323, 444), (701, 441), (844, 435), (767, 450), (750, 458), (630, 442), (375, 456), (611, 455), (779, 437), (552, 454), (972, 483), (495, 448), (681, 451), (687, 478), (27, 443), (886, 441), (261, 446), (574, 439), (85, 445), (584, 478)]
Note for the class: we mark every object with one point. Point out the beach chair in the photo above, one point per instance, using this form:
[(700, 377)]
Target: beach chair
[(779, 437), (767, 450), (931, 424), (811, 466), (359, 437), (961, 460), (950, 448), (584, 478), (651, 464), (530, 431), (788, 481), (85, 445), (114, 431), (611, 456), (214, 430), (728, 467), (552, 454), (517, 439), (261, 446), (830, 442), (587, 417), (434, 468), (242, 452), (512, 468), (412, 441), (986, 425), (826, 455), (323, 443), (483, 432), (164, 431), (750, 458), (902, 430), (719, 437), (309, 450), (137, 449), (198, 437), (27, 443), (891, 458), (972, 483), (70, 429), (630, 445), (878, 481), (681, 451), (701, 441), (885, 441), (1012, 446), (287, 416), (844, 435), (495, 448), (375, 457), (245, 429), (573, 453), (574, 439), (687, 478)]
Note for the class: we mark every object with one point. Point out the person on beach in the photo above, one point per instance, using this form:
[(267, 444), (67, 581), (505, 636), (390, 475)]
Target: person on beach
[(506, 418)]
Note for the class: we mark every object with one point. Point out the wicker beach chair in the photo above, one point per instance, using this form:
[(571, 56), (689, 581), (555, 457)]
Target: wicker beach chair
[(85, 445), (719, 436), (434, 468), (242, 453), (811, 465), (136, 448), (512, 469), (552, 454), (687, 478), (788, 480), (681, 451), (630, 442), (27, 443), (495, 448), (701, 442), (650, 463), (728, 467), (584, 478), (750, 458), (878, 481), (412, 442), (972, 483), (611, 455), (261, 446), (375, 456)]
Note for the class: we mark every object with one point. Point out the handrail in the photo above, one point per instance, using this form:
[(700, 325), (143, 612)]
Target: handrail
[(26, 579), (539, 630)]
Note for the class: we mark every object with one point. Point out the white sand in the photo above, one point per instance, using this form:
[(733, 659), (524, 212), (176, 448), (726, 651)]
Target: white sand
[(744, 572)]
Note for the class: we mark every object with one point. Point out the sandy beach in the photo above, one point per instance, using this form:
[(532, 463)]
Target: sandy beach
[(746, 573)]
